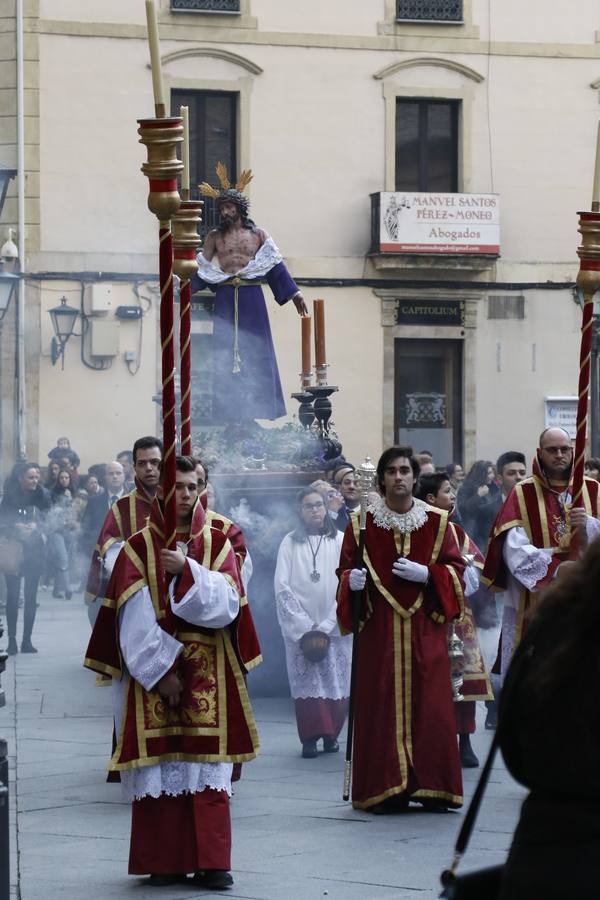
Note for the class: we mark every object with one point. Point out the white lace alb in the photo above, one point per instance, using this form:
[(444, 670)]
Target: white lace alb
[(384, 517), (175, 778), (328, 679)]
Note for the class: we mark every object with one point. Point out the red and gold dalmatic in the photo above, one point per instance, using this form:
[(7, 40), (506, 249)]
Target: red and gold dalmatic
[(535, 505), (126, 516), (476, 682), (405, 726), (214, 721)]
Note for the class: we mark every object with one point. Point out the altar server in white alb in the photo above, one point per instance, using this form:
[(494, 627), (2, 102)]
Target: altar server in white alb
[(318, 657)]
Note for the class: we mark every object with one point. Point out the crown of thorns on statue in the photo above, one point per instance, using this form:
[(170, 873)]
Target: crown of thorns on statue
[(229, 193)]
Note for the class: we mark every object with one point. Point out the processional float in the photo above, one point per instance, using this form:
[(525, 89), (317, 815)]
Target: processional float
[(178, 221)]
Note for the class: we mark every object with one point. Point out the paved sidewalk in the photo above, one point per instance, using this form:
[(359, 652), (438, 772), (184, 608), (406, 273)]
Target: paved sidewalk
[(293, 835)]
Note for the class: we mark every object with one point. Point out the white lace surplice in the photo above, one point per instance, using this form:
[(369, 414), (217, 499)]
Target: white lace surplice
[(149, 652), (527, 566), (304, 605)]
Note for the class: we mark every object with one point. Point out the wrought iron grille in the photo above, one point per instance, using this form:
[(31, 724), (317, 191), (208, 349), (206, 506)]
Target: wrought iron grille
[(224, 6), (429, 11)]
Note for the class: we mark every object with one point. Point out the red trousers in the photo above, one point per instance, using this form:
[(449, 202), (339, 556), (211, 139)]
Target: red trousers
[(465, 717), (317, 717), (179, 835)]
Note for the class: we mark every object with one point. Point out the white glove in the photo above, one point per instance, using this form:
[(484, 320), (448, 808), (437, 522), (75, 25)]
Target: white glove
[(410, 571), (358, 579)]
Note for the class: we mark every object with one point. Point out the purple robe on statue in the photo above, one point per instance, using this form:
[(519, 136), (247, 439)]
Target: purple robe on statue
[(253, 392)]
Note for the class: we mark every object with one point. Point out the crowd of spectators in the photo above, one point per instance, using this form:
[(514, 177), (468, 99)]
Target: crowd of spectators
[(55, 512)]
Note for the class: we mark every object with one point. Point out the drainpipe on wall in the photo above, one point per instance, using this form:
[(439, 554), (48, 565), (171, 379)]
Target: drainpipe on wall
[(21, 436)]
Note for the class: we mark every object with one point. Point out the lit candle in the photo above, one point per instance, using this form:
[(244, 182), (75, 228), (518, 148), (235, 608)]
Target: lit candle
[(185, 151), (157, 84), (306, 323), (320, 360)]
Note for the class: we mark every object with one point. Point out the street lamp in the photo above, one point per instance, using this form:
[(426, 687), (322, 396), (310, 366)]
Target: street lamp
[(6, 175), (8, 254), (63, 321), (8, 285)]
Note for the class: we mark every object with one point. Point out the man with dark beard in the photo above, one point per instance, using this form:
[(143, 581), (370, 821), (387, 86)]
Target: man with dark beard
[(236, 260)]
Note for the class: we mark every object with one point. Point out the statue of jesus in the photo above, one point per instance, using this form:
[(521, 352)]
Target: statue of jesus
[(237, 259)]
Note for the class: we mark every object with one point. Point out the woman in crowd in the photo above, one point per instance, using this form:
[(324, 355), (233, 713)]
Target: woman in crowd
[(318, 657), (455, 474), (91, 523), (549, 731), (61, 528), (24, 505), (52, 471), (478, 501)]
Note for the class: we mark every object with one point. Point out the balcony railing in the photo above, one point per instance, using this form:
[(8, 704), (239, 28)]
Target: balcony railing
[(429, 11), (201, 6)]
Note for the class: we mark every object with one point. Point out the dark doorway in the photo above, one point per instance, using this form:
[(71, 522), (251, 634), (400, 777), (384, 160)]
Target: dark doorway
[(428, 397)]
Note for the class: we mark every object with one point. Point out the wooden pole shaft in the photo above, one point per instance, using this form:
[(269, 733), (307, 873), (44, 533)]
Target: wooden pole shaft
[(356, 600), (185, 370), (168, 382)]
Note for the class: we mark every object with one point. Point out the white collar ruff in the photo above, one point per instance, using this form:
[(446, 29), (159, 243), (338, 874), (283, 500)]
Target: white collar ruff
[(384, 517)]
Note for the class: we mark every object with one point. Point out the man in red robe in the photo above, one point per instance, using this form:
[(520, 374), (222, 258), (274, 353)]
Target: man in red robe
[(405, 745), (436, 490), (531, 536), (125, 516), (167, 635)]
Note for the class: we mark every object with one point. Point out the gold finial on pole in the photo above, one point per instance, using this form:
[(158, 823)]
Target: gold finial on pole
[(366, 480)]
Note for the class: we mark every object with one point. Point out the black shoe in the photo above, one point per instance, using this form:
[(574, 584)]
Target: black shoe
[(468, 759), (12, 648), (213, 879), (433, 804), (58, 595), (330, 745), (68, 595), (491, 716), (165, 880), (27, 647), (390, 806), (309, 749)]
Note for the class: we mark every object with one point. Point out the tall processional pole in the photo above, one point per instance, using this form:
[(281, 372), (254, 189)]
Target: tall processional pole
[(161, 135), (588, 281), (186, 244), (366, 478)]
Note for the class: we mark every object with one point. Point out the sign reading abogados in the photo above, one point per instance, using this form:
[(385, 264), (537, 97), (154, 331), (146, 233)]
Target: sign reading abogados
[(439, 223)]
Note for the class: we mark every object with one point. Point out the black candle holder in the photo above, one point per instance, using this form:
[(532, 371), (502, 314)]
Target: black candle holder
[(305, 412), (322, 405)]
